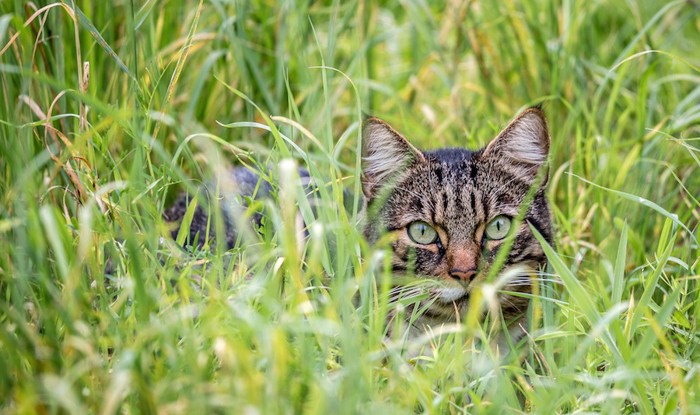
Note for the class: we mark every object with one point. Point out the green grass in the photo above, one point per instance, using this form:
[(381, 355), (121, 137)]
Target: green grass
[(180, 90)]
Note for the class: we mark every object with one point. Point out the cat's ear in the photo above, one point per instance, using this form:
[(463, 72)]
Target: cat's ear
[(385, 153), (524, 142)]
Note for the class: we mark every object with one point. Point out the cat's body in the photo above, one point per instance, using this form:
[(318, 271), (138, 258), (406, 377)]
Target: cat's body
[(247, 185), (240, 186), (449, 212)]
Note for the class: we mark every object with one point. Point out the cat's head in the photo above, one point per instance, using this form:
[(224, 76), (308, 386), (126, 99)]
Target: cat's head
[(451, 210)]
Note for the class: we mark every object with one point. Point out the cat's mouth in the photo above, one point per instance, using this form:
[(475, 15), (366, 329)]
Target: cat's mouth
[(441, 292), (447, 296), (450, 295), (514, 278), (448, 302)]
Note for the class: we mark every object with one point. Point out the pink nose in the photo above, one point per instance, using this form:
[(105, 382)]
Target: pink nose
[(463, 275)]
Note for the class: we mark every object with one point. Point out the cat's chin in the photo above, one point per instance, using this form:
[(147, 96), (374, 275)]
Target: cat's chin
[(449, 295)]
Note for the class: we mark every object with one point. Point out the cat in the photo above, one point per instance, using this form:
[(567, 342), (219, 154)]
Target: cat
[(240, 186), (450, 211)]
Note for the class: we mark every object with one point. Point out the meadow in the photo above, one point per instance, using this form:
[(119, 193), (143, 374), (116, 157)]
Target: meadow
[(109, 109)]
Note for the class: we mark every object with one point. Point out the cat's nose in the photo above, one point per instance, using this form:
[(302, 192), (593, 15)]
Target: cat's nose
[(463, 275)]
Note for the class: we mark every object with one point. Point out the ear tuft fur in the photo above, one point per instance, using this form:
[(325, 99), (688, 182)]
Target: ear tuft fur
[(385, 153), (525, 140)]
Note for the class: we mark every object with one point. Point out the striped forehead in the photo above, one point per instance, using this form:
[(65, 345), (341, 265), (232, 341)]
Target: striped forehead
[(457, 192), (442, 192), (458, 199)]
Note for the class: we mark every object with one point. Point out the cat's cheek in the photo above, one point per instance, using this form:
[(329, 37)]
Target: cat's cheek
[(491, 249), (423, 260), (400, 250), (426, 262)]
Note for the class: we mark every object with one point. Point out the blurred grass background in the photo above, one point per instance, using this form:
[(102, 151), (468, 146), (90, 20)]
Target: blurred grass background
[(109, 109)]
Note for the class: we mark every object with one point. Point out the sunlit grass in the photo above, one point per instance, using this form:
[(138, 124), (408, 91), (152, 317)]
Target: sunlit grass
[(101, 312)]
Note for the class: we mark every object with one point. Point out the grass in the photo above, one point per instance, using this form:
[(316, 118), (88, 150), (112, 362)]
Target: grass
[(177, 91)]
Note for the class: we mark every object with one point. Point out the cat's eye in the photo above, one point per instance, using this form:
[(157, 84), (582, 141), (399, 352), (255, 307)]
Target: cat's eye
[(498, 228), (422, 233)]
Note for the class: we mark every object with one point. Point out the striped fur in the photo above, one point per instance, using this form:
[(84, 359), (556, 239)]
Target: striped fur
[(458, 192)]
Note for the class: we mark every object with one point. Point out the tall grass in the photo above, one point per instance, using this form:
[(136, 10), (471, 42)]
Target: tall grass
[(108, 110)]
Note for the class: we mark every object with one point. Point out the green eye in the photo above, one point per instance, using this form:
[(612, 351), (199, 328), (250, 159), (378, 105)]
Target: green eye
[(498, 228), (421, 233)]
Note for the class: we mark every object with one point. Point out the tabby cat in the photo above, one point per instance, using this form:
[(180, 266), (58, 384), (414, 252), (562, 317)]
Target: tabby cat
[(451, 210)]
